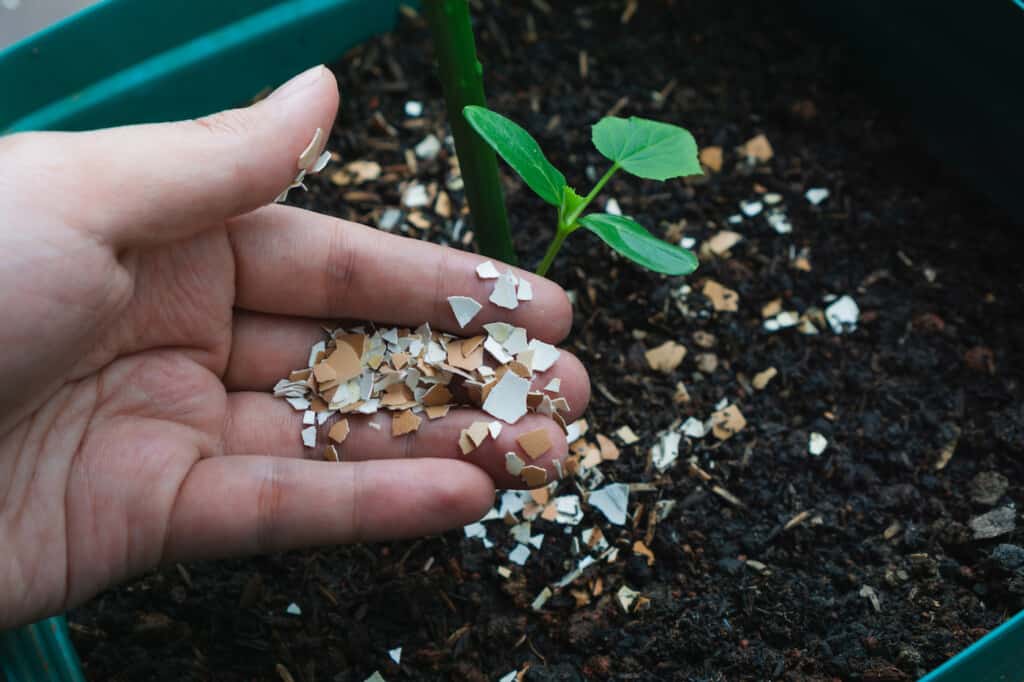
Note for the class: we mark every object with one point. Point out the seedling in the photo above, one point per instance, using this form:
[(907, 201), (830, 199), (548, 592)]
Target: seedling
[(644, 148)]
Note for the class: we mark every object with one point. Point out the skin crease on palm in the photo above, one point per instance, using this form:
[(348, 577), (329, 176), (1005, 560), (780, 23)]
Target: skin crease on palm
[(150, 297)]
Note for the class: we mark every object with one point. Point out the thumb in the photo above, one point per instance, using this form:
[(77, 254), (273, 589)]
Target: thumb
[(153, 183)]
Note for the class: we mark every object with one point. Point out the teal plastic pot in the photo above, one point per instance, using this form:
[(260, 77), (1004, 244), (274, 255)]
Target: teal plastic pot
[(41, 651), (996, 657), (955, 67), (134, 61)]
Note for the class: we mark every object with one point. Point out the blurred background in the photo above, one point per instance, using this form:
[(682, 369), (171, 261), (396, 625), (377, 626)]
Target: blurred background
[(19, 18)]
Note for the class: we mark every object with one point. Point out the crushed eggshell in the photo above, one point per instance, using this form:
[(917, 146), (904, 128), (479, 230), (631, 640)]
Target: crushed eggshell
[(724, 240), (339, 432), (779, 221), (758, 148), (507, 400), (535, 443), (611, 501), (643, 550), (404, 422), (816, 195), (544, 355), (538, 603), (534, 476), (437, 411), (311, 160), (842, 315), (568, 510), (464, 308), (706, 363), (626, 596), (310, 154), (771, 308), (576, 430), (389, 219), (415, 196), (478, 432), (359, 172), (608, 449), (626, 435), (712, 158), (681, 395), (513, 464), (784, 320), (486, 270), (762, 378), (694, 428), (751, 208), (429, 147), (413, 372), (816, 444), (504, 294), (524, 292), (727, 422), (666, 357), (466, 444), (665, 451), (519, 555), (722, 298)]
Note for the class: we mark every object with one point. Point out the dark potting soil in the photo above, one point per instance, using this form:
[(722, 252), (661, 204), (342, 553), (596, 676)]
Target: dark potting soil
[(880, 579)]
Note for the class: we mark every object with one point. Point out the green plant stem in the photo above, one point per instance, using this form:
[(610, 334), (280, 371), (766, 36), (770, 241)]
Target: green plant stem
[(567, 224), (553, 249), (462, 80), (575, 215)]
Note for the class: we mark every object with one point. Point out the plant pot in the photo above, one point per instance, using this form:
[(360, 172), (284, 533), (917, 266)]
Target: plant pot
[(129, 61), (41, 651), (996, 656), (132, 61), (955, 72)]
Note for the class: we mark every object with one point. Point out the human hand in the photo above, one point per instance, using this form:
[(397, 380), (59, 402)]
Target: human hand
[(149, 299)]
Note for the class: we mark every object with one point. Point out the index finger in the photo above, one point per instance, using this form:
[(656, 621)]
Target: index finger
[(294, 262)]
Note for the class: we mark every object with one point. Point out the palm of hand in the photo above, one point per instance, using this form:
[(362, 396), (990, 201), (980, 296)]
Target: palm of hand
[(121, 435)]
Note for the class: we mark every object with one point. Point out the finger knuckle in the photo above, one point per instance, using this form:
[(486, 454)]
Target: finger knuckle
[(339, 269), (268, 507)]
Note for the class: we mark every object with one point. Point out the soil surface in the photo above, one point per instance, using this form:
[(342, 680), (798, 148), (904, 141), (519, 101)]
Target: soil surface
[(859, 563)]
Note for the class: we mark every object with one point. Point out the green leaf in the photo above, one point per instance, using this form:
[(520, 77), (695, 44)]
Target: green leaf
[(519, 151), (640, 246), (647, 149)]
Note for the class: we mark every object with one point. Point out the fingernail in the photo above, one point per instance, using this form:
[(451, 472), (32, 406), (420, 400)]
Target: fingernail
[(298, 83)]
